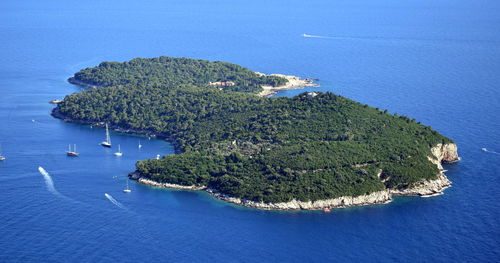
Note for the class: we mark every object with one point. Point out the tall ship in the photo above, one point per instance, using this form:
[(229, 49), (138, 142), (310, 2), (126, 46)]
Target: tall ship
[(72, 153), (107, 143)]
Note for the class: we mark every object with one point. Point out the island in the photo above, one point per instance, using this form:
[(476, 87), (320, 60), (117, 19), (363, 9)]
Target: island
[(313, 151)]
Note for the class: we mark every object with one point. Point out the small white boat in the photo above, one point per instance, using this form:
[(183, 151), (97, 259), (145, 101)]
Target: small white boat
[(127, 190), (119, 153), (107, 143), (140, 145), (72, 153)]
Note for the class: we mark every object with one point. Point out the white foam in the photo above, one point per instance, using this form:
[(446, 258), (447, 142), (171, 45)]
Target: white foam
[(48, 181), (431, 195), (110, 198), (488, 151)]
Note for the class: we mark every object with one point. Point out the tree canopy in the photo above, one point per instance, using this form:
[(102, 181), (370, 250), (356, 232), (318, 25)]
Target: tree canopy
[(168, 71), (262, 149)]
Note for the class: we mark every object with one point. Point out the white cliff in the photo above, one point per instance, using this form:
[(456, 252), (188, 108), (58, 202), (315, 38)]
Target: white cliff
[(440, 153)]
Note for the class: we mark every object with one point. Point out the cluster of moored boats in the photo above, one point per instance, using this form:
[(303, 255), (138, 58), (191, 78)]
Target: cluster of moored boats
[(72, 152), (107, 143)]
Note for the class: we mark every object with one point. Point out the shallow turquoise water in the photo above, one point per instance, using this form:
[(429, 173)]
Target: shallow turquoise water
[(437, 61)]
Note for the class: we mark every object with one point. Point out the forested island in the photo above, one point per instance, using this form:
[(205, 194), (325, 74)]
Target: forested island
[(312, 151)]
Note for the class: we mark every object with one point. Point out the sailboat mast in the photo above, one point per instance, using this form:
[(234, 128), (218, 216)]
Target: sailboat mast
[(106, 132), (108, 138), (74, 147)]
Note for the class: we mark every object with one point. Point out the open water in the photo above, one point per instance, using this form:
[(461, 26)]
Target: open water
[(435, 60)]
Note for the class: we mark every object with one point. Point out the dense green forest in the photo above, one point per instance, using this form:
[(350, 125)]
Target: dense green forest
[(309, 147), (168, 72)]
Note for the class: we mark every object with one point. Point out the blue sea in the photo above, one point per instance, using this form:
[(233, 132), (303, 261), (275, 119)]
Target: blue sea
[(435, 60)]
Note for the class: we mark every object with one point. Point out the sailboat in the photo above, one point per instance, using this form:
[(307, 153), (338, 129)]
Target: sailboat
[(119, 153), (72, 153), (1, 156), (127, 190), (107, 143), (140, 145)]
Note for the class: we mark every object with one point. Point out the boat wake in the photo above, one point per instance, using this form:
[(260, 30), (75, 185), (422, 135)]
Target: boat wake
[(315, 36), (381, 38), (110, 198), (49, 182), (488, 151), (350, 38)]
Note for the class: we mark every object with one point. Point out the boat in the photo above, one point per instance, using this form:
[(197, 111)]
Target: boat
[(140, 145), (127, 190), (55, 101), (119, 152), (72, 153), (326, 210), (107, 143)]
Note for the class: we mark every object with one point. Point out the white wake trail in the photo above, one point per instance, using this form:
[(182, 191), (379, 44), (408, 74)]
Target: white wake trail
[(110, 198), (371, 38), (315, 36), (49, 182), (343, 37), (488, 151)]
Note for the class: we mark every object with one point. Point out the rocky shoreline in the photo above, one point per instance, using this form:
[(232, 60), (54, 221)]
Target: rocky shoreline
[(293, 83), (427, 188)]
